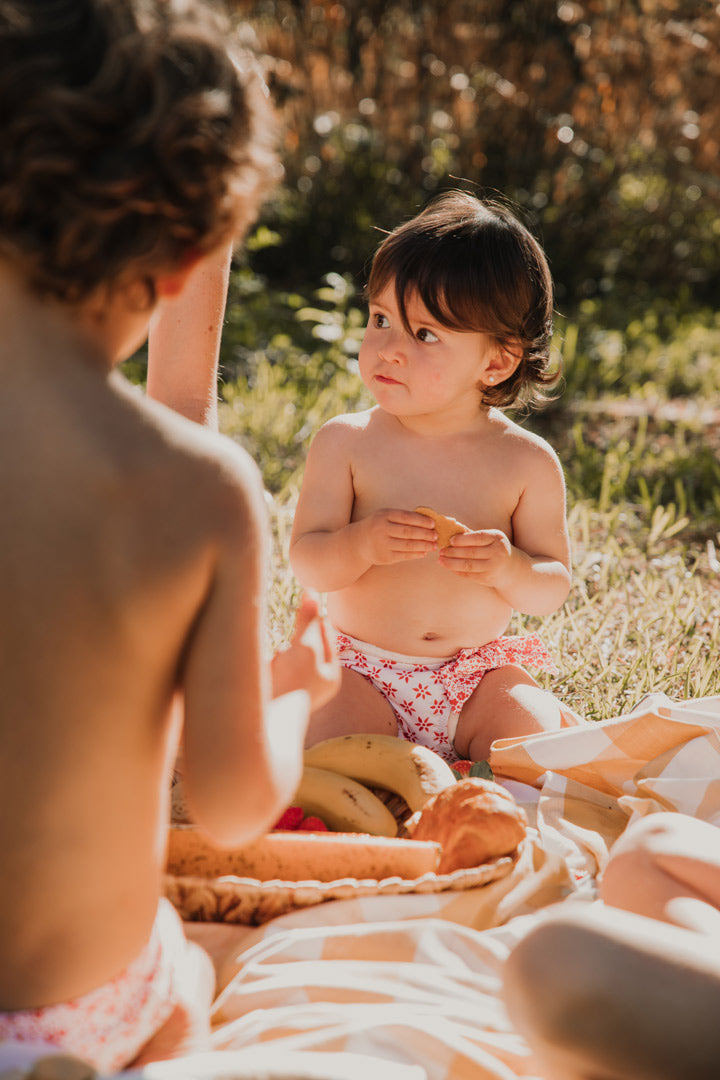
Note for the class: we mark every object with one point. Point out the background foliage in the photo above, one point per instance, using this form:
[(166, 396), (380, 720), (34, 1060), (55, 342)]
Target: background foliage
[(598, 120)]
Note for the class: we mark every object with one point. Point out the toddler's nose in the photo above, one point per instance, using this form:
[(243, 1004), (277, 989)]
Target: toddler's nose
[(393, 350)]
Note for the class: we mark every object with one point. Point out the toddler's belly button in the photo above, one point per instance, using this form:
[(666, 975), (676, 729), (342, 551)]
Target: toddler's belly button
[(430, 636)]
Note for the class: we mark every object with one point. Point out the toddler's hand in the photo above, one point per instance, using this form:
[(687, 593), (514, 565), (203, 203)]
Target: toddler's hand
[(485, 555), (309, 662), (390, 536)]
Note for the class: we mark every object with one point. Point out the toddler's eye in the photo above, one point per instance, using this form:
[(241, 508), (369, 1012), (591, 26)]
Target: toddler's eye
[(379, 321), (424, 334)]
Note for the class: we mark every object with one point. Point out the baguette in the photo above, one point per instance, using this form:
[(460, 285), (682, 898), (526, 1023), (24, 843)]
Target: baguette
[(296, 856)]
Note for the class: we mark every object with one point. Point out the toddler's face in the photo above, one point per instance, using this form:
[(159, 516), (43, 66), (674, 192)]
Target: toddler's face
[(426, 369)]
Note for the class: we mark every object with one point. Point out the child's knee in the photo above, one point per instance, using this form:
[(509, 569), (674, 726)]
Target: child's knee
[(626, 878), (650, 834), (507, 703), (547, 957), (633, 873)]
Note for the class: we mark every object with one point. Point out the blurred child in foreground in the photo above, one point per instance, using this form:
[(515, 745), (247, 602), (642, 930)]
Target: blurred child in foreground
[(135, 544)]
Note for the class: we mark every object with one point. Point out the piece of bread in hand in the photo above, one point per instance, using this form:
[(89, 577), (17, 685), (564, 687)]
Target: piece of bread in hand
[(474, 821), (446, 527)]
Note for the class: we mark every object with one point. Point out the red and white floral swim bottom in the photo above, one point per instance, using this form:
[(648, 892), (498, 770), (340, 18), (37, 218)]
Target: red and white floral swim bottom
[(107, 1027), (427, 693)]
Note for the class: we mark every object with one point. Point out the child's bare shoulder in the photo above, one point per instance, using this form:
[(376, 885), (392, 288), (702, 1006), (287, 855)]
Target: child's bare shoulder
[(525, 454), (520, 440), (207, 468), (345, 430)]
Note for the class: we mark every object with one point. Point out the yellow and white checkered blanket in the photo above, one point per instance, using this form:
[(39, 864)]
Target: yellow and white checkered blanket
[(408, 987)]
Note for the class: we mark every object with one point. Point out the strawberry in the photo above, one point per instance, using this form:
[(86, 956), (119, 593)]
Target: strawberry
[(312, 824), (472, 768), (290, 819)]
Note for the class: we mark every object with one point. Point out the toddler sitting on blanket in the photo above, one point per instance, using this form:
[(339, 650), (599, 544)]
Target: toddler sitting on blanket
[(460, 320)]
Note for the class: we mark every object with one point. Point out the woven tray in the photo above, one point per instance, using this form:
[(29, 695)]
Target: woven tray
[(251, 902)]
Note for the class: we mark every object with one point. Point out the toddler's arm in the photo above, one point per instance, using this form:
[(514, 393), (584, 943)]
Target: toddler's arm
[(328, 550), (531, 571)]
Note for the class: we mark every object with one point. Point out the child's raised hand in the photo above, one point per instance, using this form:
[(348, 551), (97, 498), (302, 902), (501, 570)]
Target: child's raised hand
[(486, 555), (309, 661), (390, 536)]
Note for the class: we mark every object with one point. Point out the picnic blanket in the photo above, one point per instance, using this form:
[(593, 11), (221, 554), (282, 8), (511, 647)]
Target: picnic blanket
[(409, 987)]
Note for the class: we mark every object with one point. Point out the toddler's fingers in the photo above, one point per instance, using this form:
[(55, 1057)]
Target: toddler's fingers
[(470, 539), (402, 531), (408, 524), (463, 561), (422, 520), (306, 612)]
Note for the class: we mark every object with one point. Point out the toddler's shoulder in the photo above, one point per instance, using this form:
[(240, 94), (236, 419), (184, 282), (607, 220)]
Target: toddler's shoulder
[(345, 428), (520, 437), (530, 453)]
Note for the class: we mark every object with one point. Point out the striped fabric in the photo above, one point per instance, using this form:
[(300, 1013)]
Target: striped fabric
[(409, 987)]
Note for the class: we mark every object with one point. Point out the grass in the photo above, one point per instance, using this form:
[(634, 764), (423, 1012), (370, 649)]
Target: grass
[(636, 428), (642, 614)]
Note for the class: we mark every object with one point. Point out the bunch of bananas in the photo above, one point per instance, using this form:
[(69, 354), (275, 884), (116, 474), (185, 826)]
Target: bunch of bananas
[(338, 770)]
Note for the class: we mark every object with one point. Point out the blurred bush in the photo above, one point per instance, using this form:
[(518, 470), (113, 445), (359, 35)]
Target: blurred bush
[(635, 419), (288, 365), (599, 121)]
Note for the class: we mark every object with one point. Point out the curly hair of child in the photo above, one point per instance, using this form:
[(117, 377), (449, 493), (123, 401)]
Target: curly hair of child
[(133, 135)]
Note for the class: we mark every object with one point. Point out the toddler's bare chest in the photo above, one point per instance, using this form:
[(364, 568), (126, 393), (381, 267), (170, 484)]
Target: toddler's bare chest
[(465, 485)]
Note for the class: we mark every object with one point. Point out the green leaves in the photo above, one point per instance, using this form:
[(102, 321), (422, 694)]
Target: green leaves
[(480, 769)]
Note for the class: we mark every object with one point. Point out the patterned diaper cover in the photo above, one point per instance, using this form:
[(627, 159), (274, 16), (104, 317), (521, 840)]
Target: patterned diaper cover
[(427, 693)]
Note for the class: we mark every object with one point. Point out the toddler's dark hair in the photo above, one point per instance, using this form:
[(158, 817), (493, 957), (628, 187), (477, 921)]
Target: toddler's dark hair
[(130, 138), (475, 267)]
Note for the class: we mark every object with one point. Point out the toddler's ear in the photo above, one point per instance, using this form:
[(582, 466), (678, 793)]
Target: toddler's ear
[(502, 361), (170, 283)]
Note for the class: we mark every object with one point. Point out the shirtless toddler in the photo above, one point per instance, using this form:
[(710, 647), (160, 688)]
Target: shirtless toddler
[(460, 320)]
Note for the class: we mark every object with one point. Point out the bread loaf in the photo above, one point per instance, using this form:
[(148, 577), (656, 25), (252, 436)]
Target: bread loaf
[(474, 821), (293, 856)]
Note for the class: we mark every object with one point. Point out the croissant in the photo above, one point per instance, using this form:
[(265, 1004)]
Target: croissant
[(474, 821)]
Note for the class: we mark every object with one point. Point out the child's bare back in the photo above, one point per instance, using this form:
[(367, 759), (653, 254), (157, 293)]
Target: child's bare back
[(119, 516), (133, 558)]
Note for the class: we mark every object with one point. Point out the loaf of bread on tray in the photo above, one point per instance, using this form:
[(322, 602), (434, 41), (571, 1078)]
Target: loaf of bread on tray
[(292, 856)]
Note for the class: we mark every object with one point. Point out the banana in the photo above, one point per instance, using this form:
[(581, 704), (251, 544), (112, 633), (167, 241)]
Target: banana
[(410, 770), (343, 804)]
